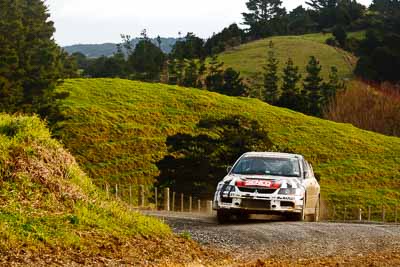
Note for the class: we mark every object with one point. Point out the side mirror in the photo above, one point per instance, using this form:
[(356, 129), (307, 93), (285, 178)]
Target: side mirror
[(228, 169), (306, 174)]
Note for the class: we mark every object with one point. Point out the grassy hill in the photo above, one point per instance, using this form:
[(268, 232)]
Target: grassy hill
[(50, 211), (117, 130), (250, 58)]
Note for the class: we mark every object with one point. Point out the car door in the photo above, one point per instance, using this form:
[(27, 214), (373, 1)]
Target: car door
[(308, 184), (314, 188)]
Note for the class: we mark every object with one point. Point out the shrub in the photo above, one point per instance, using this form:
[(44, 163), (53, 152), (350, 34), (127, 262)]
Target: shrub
[(369, 108)]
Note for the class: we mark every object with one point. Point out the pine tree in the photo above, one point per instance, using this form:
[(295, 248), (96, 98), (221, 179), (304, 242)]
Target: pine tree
[(215, 80), (172, 74), (312, 95), (261, 12), (330, 89), (147, 60), (233, 83), (290, 91), (271, 89), (191, 74), (31, 64)]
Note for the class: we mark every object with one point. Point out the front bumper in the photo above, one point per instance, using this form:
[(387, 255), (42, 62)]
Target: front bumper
[(257, 202)]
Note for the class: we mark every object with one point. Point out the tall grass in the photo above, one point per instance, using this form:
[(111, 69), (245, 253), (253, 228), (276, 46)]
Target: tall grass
[(371, 108)]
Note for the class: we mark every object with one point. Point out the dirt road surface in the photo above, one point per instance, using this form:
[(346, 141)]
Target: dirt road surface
[(278, 242)]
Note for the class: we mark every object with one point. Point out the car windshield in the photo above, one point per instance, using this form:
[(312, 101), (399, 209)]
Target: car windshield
[(288, 167)]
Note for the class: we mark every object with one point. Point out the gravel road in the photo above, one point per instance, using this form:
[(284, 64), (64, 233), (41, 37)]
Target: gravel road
[(266, 238)]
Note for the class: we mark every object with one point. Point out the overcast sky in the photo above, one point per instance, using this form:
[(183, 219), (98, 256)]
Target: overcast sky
[(101, 21)]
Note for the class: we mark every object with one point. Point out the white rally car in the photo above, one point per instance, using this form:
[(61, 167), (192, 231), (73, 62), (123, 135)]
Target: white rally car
[(268, 183)]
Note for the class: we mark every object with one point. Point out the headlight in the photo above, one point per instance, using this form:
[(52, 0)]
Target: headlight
[(288, 191), (219, 186)]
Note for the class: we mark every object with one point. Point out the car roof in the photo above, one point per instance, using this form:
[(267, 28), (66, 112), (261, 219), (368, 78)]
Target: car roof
[(272, 155)]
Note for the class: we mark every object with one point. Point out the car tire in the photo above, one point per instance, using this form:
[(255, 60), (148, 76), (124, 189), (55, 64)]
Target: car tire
[(298, 216), (223, 216), (317, 212), (243, 217)]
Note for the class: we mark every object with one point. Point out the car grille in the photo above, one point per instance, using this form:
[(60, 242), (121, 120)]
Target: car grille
[(226, 200), (256, 204), (259, 190)]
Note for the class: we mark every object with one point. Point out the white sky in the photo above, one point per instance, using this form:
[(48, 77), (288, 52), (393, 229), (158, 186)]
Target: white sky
[(101, 21)]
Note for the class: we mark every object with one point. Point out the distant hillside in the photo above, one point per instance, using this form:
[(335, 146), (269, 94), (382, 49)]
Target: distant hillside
[(250, 58), (117, 130), (108, 49)]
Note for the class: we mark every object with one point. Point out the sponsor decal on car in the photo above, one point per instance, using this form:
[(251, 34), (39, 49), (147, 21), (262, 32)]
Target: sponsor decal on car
[(259, 183)]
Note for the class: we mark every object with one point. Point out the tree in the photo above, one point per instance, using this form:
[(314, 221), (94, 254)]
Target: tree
[(290, 91), (312, 88), (31, 63), (299, 21), (146, 60), (233, 83), (261, 16), (172, 73), (330, 88), (229, 37), (191, 75), (379, 52), (271, 89), (215, 80), (190, 47), (340, 35), (197, 163)]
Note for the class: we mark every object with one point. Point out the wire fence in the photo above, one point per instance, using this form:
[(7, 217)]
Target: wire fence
[(155, 198)]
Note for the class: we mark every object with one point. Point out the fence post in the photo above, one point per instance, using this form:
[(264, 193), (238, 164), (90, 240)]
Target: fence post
[(107, 192), (190, 203), (182, 207), (395, 214), (360, 214), (116, 191), (334, 213), (142, 196), (156, 197), (173, 201), (383, 214), (209, 207), (199, 205), (369, 213), (345, 213), (166, 199)]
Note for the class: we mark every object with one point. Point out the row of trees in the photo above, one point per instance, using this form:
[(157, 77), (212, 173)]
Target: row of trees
[(211, 76), (268, 17), (309, 97)]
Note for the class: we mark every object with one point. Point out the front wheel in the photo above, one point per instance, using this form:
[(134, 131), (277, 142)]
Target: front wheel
[(223, 216), (298, 216)]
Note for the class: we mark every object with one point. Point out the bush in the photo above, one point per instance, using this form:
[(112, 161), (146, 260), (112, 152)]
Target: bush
[(332, 42), (369, 108)]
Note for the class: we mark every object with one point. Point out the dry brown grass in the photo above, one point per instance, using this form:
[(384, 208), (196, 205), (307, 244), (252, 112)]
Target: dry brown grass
[(373, 108)]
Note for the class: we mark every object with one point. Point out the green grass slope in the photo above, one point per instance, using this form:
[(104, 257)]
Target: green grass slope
[(250, 58), (50, 208), (117, 130)]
